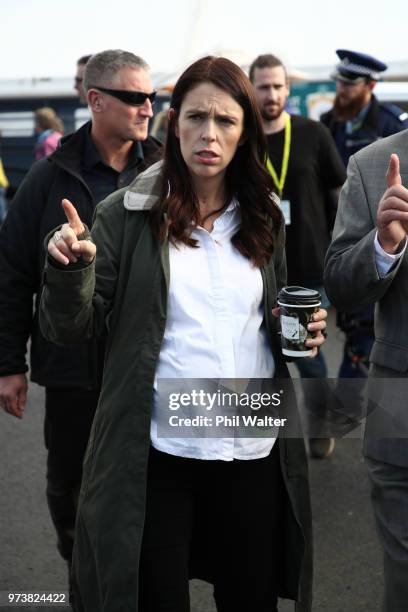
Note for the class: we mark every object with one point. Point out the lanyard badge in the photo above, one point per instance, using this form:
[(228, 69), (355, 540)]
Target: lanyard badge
[(280, 181)]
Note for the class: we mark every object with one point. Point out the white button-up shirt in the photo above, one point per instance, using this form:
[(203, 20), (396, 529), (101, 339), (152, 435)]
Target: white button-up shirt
[(214, 330)]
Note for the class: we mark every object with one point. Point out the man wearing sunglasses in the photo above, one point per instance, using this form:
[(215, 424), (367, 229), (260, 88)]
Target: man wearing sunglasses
[(104, 155)]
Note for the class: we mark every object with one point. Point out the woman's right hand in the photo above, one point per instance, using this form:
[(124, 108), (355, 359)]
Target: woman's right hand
[(64, 246)]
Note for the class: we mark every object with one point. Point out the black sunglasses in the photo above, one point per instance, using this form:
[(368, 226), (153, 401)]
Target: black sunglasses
[(135, 98)]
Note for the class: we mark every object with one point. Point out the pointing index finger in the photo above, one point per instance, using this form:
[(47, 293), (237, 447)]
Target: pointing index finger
[(72, 216)]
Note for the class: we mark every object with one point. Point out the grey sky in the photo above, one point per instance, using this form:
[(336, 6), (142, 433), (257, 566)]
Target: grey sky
[(45, 37)]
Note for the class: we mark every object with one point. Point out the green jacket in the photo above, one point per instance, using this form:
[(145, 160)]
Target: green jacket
[(124, 295)]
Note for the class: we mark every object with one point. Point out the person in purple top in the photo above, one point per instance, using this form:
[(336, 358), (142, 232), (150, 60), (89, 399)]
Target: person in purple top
[(50, 129)]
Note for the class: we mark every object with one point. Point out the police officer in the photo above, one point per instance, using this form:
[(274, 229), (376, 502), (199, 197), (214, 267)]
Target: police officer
[(356, 120)]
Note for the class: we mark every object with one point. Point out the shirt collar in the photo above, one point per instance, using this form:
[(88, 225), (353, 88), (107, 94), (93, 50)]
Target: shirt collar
[(356, 123), (231, 206), (227, 222), (92, 156), (228, 219)]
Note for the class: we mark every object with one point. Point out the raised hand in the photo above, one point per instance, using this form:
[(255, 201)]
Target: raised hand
[(392, 214), (64, 246)]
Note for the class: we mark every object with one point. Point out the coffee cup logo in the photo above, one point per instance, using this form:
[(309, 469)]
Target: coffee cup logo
[(297, 304)]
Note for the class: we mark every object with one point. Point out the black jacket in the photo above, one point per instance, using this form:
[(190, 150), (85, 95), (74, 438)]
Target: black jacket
[(381, 120), (34, 212)]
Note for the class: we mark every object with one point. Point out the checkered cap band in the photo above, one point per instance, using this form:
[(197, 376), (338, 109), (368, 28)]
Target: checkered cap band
[(364, 71)]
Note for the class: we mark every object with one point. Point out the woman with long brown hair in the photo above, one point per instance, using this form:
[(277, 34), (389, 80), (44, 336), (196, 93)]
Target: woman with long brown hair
[(189, 262)]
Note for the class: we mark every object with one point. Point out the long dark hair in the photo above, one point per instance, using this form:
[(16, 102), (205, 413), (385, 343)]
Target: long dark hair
[(247, 180)]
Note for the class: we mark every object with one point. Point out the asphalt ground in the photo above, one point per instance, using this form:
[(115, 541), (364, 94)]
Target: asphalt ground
[(348, 566)]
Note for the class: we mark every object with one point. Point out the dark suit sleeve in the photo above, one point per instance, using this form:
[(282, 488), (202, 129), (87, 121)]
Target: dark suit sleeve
[(351, 277), (19, 267)]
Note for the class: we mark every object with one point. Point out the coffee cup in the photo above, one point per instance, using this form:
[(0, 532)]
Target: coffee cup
[(297, 305)]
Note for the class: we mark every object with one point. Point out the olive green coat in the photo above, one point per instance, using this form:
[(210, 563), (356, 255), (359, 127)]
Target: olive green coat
[(125, 296)]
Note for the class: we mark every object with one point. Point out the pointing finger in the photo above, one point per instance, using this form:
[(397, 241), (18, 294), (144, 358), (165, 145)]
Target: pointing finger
[(393, 172), (72, 217)]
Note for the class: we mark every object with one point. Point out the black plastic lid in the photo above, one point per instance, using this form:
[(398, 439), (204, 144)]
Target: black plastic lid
[(299, 296)]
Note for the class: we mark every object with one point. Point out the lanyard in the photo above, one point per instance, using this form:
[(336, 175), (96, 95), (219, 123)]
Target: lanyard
[(280, 182)]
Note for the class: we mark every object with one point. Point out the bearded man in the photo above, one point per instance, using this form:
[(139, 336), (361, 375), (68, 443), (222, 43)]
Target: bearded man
[(357, 118), (308, 173)]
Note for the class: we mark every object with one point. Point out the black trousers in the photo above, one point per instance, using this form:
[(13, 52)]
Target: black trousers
[(233, 510), (68, 419)]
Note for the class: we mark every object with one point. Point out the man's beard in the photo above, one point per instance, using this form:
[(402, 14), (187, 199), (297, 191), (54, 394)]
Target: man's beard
[(270, 114), (345, 111)]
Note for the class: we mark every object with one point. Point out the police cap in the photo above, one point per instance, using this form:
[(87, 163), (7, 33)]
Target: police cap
[(355, 66)]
